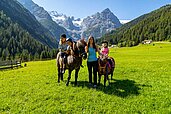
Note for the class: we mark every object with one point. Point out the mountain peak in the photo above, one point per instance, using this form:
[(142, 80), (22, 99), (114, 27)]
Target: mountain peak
[(100, 23), (107, 10)]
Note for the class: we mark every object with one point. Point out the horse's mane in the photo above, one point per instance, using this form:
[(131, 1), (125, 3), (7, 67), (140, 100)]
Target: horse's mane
[(81, 43)]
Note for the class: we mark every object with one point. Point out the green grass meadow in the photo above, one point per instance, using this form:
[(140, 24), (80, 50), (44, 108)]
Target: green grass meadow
[(142, 84)]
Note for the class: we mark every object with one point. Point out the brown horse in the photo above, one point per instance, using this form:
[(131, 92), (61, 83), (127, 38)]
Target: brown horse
[(74, 61), (105, 68)]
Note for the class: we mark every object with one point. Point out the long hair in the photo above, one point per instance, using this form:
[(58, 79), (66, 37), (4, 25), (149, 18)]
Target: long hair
[(94, 45)]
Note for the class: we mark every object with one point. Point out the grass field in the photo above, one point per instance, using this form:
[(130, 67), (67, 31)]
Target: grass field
[(142, 84)]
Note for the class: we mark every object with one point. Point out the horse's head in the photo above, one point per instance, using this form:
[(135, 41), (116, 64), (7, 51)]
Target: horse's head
[(103, 60), (81, 48)]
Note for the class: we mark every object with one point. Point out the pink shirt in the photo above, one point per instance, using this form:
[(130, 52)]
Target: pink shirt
[(105, 51)]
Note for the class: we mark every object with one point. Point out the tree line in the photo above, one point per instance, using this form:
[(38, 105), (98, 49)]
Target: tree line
[(15, 43), (154, 26)]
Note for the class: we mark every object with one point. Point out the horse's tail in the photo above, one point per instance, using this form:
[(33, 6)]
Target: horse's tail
[(59, 60), (113, 62)]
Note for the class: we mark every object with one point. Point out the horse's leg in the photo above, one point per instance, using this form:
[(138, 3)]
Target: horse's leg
[(62, 76), (99, 79), (76, 75), (112, 75), (69, 77), (59, 74), (113, 68), (106, 76)]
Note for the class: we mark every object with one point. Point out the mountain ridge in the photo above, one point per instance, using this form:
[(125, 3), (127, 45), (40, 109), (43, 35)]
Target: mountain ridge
[(44, 18), (80, 27), (27, 21), (155, 26)]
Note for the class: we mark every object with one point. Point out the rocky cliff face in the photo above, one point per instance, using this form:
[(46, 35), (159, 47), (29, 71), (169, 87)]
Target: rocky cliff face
[(72, 25), (96, 25), (100, 23), (43, 17)]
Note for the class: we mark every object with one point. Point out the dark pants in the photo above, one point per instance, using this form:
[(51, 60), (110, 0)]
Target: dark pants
[(92, 65)]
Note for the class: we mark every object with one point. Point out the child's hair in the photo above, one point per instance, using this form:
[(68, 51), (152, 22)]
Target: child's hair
[(105, 42), (63, 36)]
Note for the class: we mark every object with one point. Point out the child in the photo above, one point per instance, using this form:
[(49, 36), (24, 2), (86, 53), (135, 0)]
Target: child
[(105, 49), (62, 50), (105, 52), (70, 47)]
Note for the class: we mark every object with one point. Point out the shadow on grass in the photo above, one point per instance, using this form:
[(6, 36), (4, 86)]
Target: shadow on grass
[(120, 88)]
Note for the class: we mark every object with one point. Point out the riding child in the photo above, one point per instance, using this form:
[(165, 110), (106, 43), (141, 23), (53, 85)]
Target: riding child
[(105, 52), (70, 47), (62, 49)]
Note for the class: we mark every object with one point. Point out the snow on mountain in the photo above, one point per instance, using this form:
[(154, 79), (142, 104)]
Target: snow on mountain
[(44, 18), (100, 24), (77, 22), (72, 25), (96, 25), (124, 21)]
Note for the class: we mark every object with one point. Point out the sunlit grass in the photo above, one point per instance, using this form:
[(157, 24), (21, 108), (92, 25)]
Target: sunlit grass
[(141, 85)]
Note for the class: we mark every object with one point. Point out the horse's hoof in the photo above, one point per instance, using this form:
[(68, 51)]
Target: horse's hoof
[(67, 84)]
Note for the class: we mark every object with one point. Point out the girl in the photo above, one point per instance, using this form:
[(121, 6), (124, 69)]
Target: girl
[(92, 63), (105, 49), (105, 52)]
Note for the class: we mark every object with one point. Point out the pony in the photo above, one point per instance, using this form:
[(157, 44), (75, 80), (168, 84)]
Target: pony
[(105, 68), (74, 61)]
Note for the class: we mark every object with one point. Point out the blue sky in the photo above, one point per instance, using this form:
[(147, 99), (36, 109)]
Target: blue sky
[(123, 9)]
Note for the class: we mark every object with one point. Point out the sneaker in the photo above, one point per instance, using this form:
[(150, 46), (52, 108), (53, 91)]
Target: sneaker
[(95, 86), (63, 71)]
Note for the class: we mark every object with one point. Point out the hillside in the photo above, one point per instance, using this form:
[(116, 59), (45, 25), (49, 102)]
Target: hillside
[(18, 43), (44, 18), (27, 21), (154, 26)]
